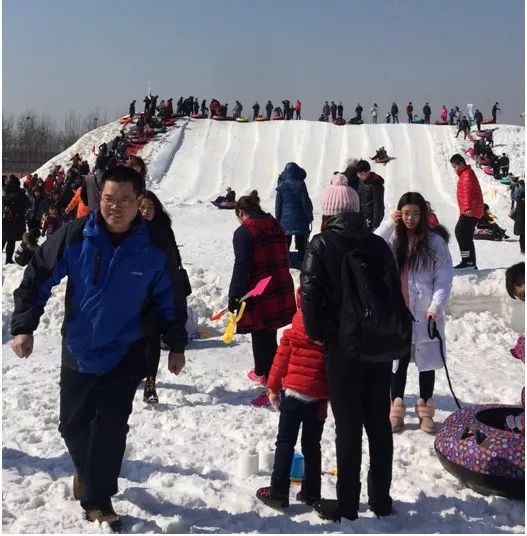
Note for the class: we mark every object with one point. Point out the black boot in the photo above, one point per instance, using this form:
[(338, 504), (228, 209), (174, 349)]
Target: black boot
[(272, 498), (150, 395), (310, 501), (466, 264)]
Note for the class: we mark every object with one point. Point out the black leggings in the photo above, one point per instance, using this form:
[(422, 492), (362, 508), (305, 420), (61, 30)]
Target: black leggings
[(426, 381), (153, 353), (264, 350), (300, 244), (9, 249)]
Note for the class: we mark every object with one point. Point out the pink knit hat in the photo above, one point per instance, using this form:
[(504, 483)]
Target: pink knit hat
[(339, 197)]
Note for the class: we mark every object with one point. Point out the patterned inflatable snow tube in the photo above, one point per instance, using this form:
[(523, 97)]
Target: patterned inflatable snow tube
[(199, 116), (488, 171), (125, 120), (441, 123), (475, 446), (470, 152), (484, 161), (262, 118), (339, 121), (419, 121), (242, 119), (487, 121)]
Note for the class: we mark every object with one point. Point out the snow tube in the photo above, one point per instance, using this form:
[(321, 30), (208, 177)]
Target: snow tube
[(441, 123), (278, 117), (138, 141), (506, 181), (132, 150), (199, 116), (484, 234), (242, 120), (169, 122), (487, 121), (481, 133), (125, 120), (339, 121), (382, 160), (475, 446), (484, 161), (225, 205), (419, 121), (470, 152), (262, 118), (488, 171), (160, 130)]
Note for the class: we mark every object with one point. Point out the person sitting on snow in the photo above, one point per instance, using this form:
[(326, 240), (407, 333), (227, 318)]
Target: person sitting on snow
[(229, 198), (488, 221), (278, 112), (380, 154), (515, 284), (432, 218)]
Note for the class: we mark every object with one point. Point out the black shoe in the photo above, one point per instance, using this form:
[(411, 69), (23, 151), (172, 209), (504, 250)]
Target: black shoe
[(310, 501), (150, 395), (274, 500), (329, 510), (104, 514), (382, 510), (466, 264)]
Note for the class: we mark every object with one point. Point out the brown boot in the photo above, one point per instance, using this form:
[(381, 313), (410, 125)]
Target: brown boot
[(78, 485), (397, 412), (104, 514), (426, 411)]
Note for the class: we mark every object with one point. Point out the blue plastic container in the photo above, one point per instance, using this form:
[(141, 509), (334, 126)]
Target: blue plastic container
[(297, 468)]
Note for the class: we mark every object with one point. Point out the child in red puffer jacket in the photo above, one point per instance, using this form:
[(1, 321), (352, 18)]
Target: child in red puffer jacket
[(297, 386)]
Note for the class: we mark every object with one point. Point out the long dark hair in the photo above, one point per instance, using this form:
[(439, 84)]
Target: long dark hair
[(160, 215), (421, 254), (248, 203)]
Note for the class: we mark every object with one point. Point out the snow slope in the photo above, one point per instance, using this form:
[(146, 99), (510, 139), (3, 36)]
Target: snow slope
[(180, 471)]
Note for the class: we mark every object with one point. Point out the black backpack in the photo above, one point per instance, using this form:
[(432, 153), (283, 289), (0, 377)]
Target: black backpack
[(375, 324)]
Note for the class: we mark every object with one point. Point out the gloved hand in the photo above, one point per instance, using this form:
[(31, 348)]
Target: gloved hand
[(234, 304)]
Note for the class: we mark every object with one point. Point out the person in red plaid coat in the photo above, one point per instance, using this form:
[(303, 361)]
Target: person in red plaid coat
[(298, 372), (261, 250)]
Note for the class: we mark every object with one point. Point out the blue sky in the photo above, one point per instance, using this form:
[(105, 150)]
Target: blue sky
[(63, 55)]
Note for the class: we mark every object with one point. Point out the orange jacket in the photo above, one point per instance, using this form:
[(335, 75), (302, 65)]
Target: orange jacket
[(82, 209)]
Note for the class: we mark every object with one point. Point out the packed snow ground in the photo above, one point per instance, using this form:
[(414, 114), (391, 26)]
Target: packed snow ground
[(180, 473)]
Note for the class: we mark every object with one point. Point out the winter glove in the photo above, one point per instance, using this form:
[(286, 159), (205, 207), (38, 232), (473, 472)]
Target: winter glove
[(234, 304)]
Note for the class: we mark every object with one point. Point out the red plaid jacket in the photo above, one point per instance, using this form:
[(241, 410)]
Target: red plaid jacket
[(269, 257)]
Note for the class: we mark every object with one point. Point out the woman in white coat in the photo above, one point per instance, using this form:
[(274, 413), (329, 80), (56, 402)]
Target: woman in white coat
[(425, 266)]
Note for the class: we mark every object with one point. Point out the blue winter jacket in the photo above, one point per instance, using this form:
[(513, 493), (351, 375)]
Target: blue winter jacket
[(115, 296), (293, 207)]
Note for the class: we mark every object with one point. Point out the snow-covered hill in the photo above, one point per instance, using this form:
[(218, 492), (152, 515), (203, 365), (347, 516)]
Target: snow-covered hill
[(180, 472)]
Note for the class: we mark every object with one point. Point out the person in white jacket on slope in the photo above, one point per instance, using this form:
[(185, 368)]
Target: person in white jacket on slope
[(425, 266)]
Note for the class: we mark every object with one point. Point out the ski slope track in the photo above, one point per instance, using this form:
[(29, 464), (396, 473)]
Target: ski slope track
[(180, 470)]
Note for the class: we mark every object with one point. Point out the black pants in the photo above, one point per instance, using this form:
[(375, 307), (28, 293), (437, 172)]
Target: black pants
[(94, 413), (478, 125), (297, 114), (395, 118), (311, 415), (264, 350), (300, 244), (465, 237), (268, 115), (153, 354), (9, 246), (427, 119), (410, 118), (360, 396), (494, 118), (426, 381)]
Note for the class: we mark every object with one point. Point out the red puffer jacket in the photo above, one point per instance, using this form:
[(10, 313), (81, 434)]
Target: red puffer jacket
[(299, 363), (469, 196)]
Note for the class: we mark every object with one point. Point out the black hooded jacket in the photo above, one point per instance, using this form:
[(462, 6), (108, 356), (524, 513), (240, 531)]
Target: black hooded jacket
[(321, 272), (371, 196)]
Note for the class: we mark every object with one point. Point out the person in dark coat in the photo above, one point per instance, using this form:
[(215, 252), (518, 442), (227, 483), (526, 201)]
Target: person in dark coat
[(359, 389), (179, 106), (495, 112), (15, 205), (395, 113), (204, 108), (38, 206), (153, 211), (333, 110), (358, 112), (256, 110), (464, 126), (146, 100), (287, 108), (293, 207), (169, 107), (131, 110), (519, 213), (427, 112), (371, 195), (269, 109), (326, 110), (478, 117), (196, 106), (351, 174), (340, 110), (260, 250), (410, 112)]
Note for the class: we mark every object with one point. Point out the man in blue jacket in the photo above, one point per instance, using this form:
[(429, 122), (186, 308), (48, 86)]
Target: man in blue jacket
[(124, 280)]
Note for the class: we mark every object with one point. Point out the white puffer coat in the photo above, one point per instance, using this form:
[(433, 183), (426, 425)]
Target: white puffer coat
[(429, 290)]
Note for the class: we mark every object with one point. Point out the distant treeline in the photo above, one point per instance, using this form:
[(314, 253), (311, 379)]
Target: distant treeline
[(31, 139)]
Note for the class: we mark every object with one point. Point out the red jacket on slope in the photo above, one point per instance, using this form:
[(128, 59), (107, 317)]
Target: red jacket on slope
[(469, 196), (299, 362)]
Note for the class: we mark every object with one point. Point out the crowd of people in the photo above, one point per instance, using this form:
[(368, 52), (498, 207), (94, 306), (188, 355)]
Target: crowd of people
[(389, 277), (190, 106)]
